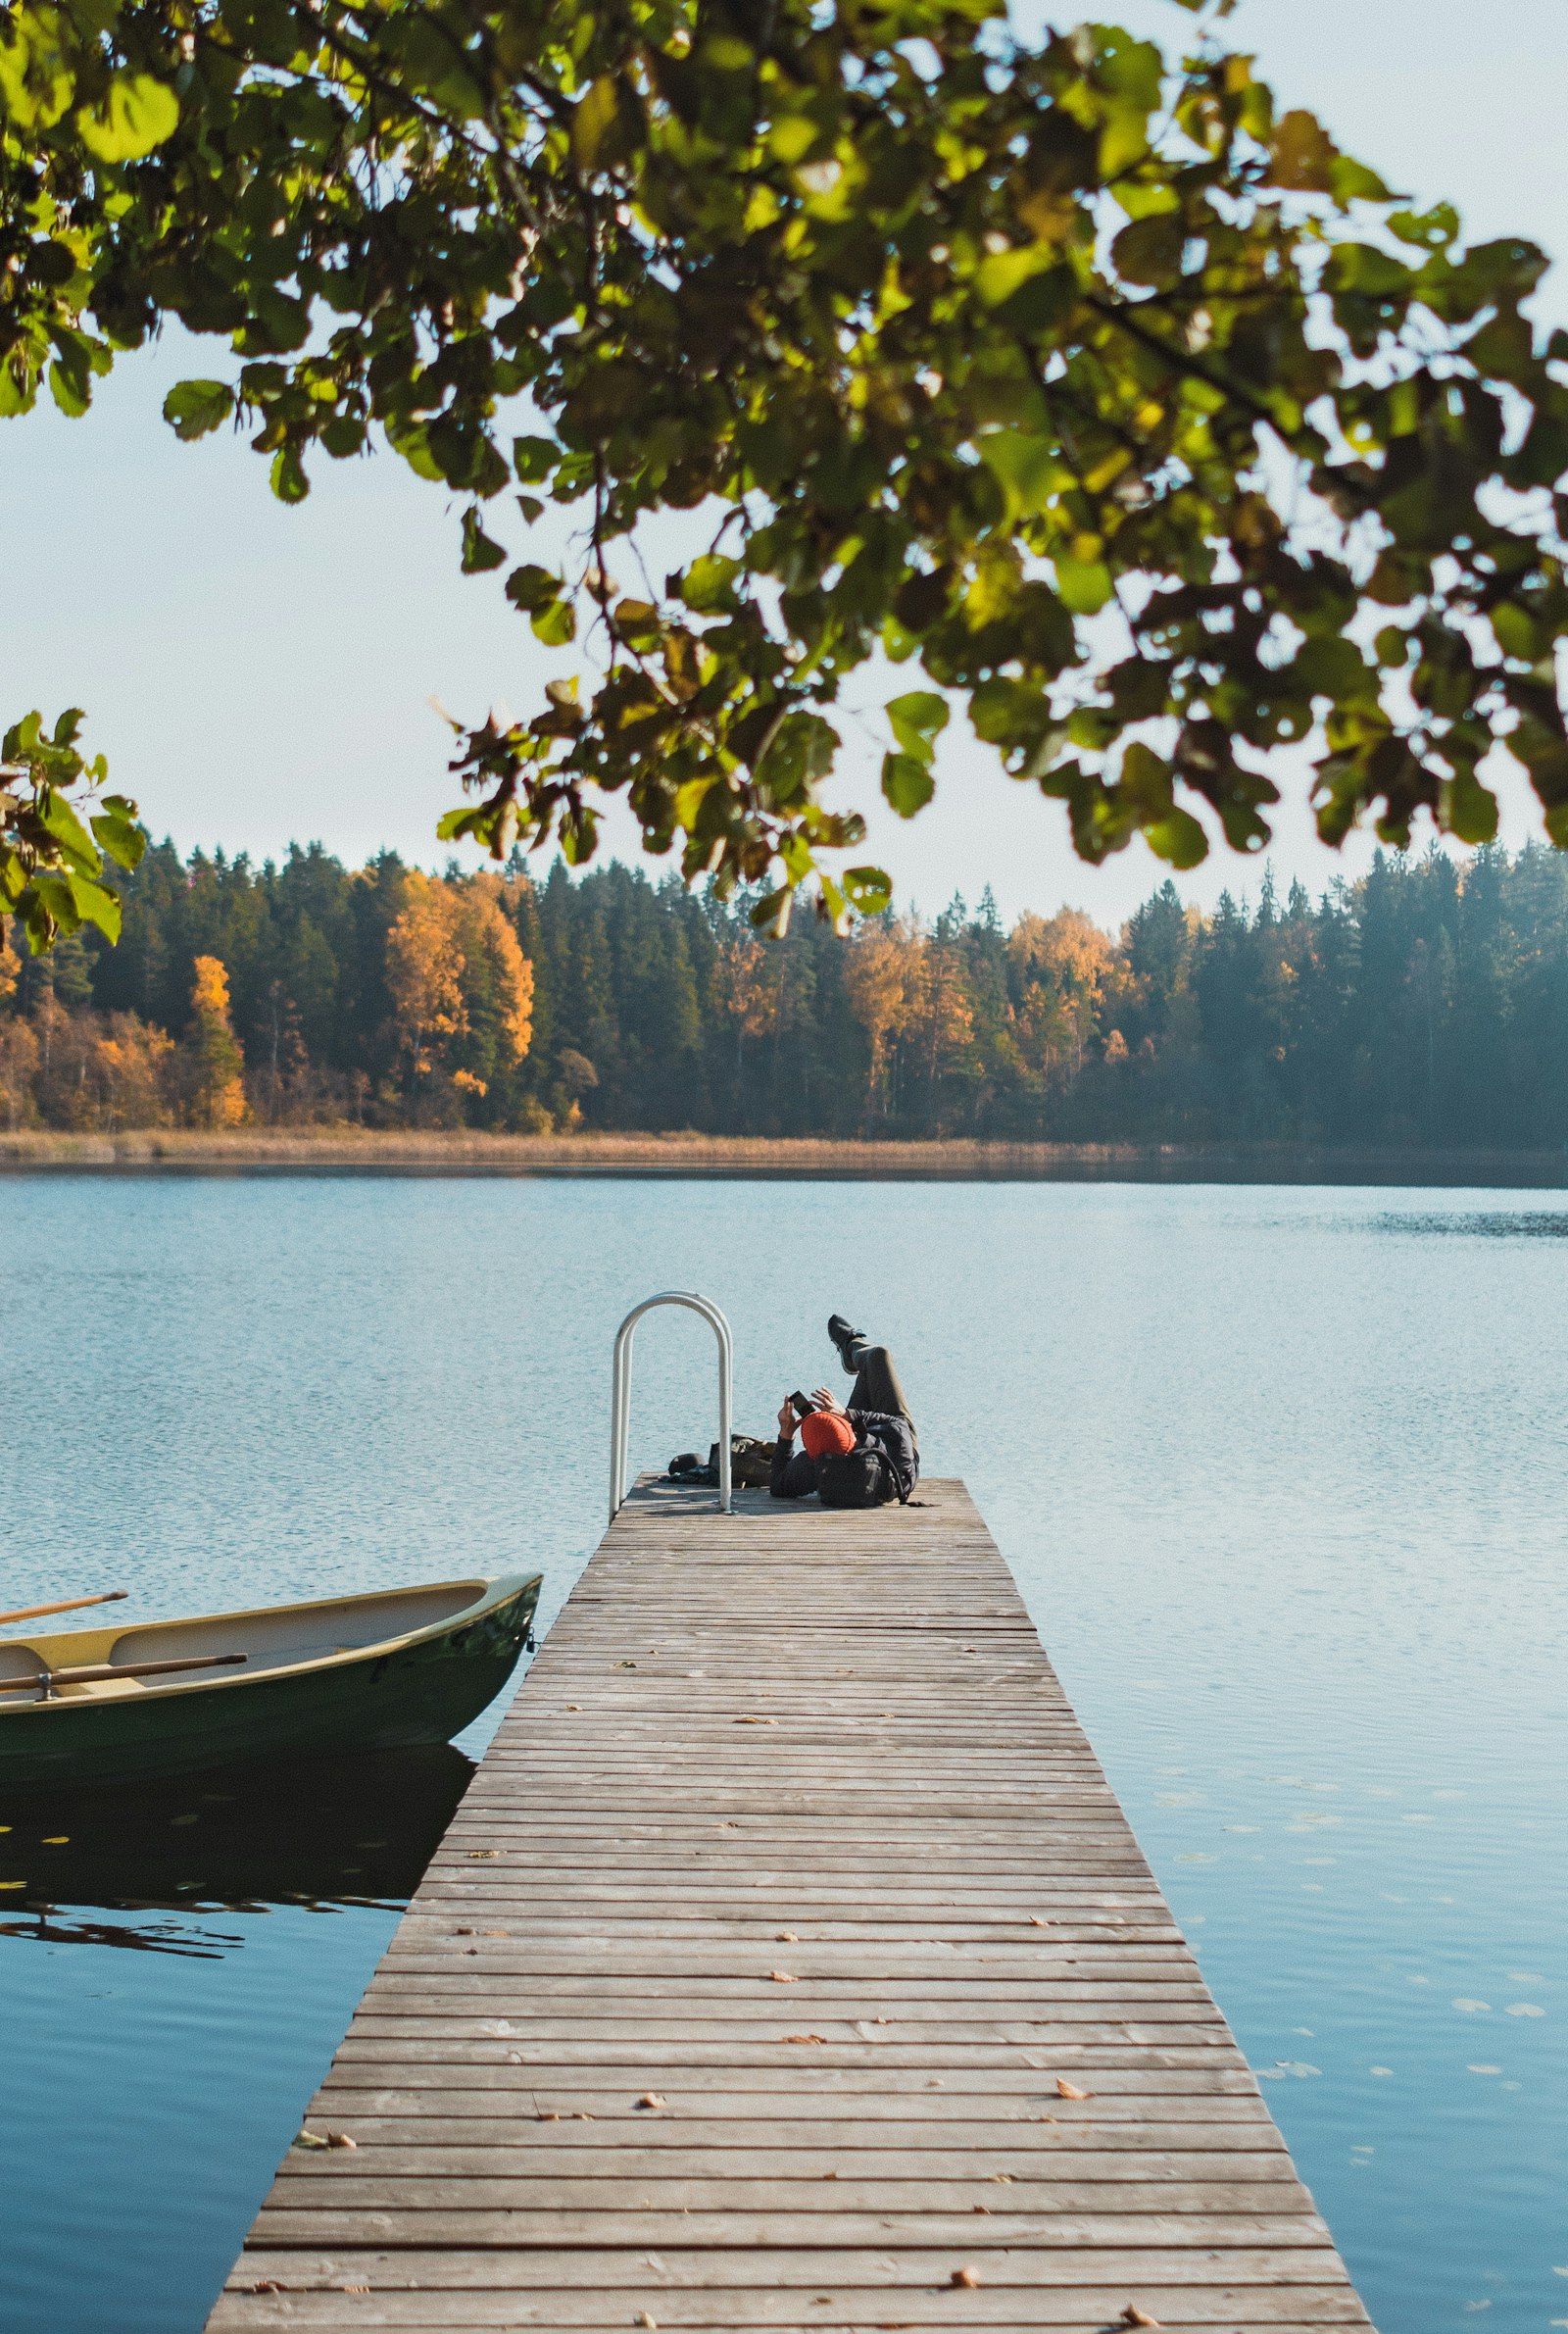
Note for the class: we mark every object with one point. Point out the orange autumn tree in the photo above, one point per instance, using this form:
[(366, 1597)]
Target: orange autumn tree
[(461, 991), (215, 1064), (886, 979)]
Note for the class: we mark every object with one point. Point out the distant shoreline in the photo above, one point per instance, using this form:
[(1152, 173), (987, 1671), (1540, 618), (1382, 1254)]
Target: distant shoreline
[(352, 1150)]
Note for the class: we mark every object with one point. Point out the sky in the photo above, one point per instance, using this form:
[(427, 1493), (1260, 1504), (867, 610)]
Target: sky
[(259, 674)]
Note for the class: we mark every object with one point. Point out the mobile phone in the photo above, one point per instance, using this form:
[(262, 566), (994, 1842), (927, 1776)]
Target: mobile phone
[(801, 1405)]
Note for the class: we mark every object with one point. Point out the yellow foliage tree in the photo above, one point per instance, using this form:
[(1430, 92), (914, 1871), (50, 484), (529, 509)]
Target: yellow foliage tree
[(425, 966), (217, 1083), (461, 986), (1066, 967)]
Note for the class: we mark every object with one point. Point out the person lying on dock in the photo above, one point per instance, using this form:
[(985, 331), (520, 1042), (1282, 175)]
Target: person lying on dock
[(858, 1456)]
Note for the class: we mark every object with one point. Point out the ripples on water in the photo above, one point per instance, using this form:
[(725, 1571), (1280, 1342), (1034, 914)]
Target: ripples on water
[(1281, 1473)]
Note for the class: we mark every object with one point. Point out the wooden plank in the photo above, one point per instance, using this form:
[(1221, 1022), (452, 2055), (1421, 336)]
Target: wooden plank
[(789, 1954)]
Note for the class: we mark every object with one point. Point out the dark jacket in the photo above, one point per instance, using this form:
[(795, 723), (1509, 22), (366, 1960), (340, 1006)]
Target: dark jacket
[(794, 1473)]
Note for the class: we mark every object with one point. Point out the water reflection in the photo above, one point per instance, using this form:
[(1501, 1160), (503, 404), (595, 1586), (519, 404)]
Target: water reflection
[(1464, 1223), (357, 1831)]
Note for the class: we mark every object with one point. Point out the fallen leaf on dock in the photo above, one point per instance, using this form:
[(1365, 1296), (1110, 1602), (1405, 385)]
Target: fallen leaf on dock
[(268, 2285), (483, 1855), (495, 1932), (625, 1665), (756, 1722), (1067, 2090), (649, 2099), (643, 2319), (309, 2139), (545, 2115), (968, 2275), (340, 2139), (356, 2289), (803, 2038), (1132, 2315), (464, 1932), (782, 1977), (786, 1937), (1038, 1920)]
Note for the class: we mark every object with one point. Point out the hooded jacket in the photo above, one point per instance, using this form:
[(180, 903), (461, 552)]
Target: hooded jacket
[(794, 1473)]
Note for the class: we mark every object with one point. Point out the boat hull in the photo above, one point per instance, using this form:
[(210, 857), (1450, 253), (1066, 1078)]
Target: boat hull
[(382, 1698)]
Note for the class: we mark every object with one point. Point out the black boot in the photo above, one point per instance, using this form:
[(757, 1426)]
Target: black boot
[(847, 1341)]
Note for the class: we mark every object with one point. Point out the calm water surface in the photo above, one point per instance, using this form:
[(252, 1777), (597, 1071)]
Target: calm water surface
[(1281, 1474)]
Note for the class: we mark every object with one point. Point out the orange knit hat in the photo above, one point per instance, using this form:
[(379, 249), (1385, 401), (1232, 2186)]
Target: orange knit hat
[(826, 1432)]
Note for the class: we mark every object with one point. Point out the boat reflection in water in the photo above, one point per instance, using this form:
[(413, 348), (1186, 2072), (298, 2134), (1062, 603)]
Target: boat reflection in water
[(154, 1867)]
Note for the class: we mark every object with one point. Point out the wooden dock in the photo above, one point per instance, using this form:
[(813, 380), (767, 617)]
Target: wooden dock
[(790, 1963)]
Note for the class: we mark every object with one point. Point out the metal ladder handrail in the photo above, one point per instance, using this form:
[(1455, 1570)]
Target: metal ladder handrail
[(620, 1391)]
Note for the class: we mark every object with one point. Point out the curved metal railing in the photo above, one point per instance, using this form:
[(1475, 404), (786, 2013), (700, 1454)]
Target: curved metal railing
[(620, 1392)]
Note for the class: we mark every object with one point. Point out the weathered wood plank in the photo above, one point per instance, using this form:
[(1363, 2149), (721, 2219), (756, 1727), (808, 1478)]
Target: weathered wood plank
[(789, 1954)]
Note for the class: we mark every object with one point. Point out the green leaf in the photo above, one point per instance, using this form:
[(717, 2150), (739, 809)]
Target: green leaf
[(535, 458), (554, 624), (917, 721), (68, 391), (530, 588), (289, 482), (136, 115), (706, 586), (194, 407), (869, 890), (1084, 586), (906, 784), (1029, 469), (120, 834), (95, 904), (597, 130), (479, 551), (1150, 251), (1177, 838), (1031, 289), (1468, 810), (50, 897), (67, 831), (804, 748), (1431, 230)]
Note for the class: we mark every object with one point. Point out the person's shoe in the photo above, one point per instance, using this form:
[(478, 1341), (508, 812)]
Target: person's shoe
[(843, 1336)]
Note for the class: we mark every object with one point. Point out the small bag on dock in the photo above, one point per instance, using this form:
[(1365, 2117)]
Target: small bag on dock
[(750, 1465)]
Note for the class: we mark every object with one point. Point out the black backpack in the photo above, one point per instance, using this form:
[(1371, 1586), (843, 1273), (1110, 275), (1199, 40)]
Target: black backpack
[(854, 1479)]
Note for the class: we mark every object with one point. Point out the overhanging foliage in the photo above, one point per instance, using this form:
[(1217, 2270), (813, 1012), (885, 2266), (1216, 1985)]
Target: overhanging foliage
[(1144, 425)]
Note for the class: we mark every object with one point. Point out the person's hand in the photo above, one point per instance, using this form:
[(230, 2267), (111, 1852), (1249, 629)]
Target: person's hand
[(825, 1401), (786, 1423)]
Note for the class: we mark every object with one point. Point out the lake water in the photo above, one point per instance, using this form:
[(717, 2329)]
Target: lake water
[(1281, 1473)]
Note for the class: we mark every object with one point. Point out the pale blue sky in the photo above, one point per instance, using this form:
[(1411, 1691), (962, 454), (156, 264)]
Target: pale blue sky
[(257, 673)]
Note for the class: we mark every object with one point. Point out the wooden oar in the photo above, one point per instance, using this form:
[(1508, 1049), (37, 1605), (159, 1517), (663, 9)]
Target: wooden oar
[(110, 1596), (95, 1673)]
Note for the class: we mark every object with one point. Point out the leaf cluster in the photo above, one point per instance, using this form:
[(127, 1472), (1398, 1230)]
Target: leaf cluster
[(1151, 426), (57, 829)]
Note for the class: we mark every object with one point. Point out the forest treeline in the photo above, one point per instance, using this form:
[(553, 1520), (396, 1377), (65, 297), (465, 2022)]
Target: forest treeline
[(1426, 1004)]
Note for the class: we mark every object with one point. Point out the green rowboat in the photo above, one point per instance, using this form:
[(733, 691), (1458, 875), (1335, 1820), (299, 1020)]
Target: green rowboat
[(344, 1674)]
